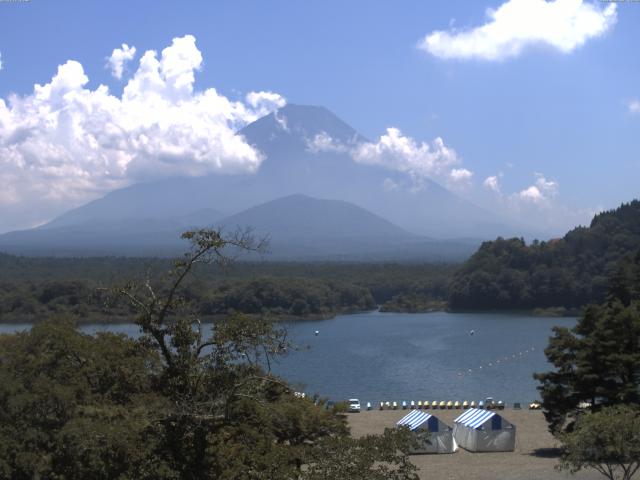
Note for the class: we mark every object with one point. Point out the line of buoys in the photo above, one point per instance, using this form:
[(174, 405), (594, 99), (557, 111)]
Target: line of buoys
[(497, 362)]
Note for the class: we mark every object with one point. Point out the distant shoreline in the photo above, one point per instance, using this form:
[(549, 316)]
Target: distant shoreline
[(559, 312)]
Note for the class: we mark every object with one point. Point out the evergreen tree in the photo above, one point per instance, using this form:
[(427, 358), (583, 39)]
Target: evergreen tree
[(597, 363)]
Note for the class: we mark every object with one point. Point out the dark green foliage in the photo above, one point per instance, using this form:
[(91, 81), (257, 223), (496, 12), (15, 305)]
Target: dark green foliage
[(598, 361), (607, 441), (32, 289), (367, 458), (172, 405), (569, 272), (288, 297), (76, 405)]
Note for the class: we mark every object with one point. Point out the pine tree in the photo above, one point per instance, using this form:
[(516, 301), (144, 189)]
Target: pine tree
[(597, 363)]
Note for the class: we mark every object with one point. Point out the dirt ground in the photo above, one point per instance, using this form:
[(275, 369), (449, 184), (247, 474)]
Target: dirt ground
[(533, 459)]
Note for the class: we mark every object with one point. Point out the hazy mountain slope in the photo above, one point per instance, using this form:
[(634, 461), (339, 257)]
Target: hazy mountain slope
[(290, 168), (299, 228), (277, 176), (302, 227), (145, 215), (301, 216), (100, 236), (290, 165)]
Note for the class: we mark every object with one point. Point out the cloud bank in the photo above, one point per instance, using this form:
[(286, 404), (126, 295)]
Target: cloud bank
[(65, 143), (397, 152), (564, 25)]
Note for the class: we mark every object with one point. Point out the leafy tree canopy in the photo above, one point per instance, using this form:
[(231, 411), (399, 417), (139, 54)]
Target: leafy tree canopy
[(172, 404), (597, 363), (607, 441), (569, 272)]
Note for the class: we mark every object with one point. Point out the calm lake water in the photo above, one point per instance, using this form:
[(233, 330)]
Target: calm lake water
[(390, 356)]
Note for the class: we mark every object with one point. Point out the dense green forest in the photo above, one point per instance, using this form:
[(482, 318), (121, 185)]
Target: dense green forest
[(564, 274), (31, 289), (173, 404), (569, 272)]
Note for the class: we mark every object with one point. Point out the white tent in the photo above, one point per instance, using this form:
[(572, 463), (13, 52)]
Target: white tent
[(484, 431), (432, 435)]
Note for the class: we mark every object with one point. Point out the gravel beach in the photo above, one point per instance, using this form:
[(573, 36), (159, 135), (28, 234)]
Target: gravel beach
[(533, 459)]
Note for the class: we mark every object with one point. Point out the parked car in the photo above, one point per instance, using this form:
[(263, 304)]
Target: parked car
[(354, 405)]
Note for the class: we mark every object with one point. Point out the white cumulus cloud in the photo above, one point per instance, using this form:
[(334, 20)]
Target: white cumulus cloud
[(540, 192), (634, 106), (65, 143), (492, 183), (396, 151), (460, 175), (323, 142), (119, 57), (264, 103), (517, 24)]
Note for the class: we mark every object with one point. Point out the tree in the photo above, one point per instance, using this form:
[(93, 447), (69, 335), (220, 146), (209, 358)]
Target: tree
[(75, 406), (607, 441), (597, 363), (568, 272), (224, 395), (172, 405), (373, 457)]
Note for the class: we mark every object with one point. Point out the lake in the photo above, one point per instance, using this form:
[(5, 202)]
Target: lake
[(378, 356)]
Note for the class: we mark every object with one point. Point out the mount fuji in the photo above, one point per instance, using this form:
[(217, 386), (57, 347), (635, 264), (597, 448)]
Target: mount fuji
[(324, 202)]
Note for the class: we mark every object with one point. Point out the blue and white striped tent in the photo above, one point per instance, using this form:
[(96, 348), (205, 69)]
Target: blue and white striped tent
[(433, 436), (480, 430)]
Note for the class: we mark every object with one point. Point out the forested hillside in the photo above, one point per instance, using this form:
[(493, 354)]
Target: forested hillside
[(569, 272), (32, 289)]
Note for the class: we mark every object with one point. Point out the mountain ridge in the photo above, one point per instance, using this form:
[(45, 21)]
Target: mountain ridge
[(289, 167)]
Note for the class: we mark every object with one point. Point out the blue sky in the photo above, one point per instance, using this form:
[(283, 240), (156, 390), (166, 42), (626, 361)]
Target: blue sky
[(567, 116)]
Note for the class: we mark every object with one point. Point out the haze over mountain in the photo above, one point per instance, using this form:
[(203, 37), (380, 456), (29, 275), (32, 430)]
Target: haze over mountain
[(302, 227), (148, 217)]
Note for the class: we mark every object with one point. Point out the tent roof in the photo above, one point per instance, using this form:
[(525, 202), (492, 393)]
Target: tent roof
[(474, 417), (414, 419)]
